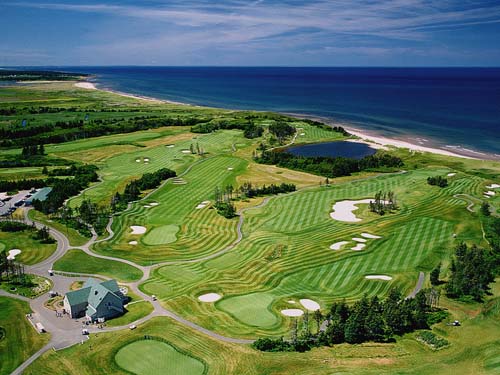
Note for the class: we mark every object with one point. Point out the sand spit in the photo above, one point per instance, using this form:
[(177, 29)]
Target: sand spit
[(210, 297), (85, 85), (13, 253), (378, 277), (309, 304), (292, 312), (338, 245), (343, 210), (371, 236), (137, 229)]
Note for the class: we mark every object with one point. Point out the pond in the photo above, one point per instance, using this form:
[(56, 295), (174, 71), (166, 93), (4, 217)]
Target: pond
[(345, 149)]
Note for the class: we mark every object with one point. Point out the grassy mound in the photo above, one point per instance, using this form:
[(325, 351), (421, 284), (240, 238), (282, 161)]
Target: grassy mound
[(162, 235), (150, 357), (79, 262)]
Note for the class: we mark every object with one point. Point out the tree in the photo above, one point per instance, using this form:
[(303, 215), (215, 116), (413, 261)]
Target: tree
[(45, 171), (318, 317), (435, 274), (485, 209)]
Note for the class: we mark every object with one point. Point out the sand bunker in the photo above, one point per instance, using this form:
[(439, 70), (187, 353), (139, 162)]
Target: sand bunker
[(147, 206), (230, 168), (451, 174), (343, 210), (154, 204), (490, 193), (210, 297), (378, 277), (359, 246), (493, 186), (137, 160), (132, 243), (310, 304), (146, 160), (137, 229), (186, 151), (302, 133), (13, 253), (292, 312), (338, 245), (368, 235), (170, 146), (202, 205), (357, 239), (291, 301)]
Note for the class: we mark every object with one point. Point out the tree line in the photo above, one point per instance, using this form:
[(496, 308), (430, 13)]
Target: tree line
[(329, 166), (250, 129), (369, 319), (442, 182)]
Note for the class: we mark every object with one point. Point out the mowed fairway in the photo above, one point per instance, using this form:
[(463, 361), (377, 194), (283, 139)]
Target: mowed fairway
[(285, 253), (152, 357), (202, 231)]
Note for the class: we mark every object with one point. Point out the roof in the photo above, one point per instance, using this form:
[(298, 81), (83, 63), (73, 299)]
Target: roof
[(93, 292), (41, 194)]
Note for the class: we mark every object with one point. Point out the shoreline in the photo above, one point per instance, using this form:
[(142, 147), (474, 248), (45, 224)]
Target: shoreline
[(363, 136)]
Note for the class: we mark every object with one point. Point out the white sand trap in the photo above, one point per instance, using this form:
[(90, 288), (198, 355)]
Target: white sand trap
[(338, 245), (342, 211), (170, 146), (202, 205), (368, 235), (146, 160), (302, 133), (357, 239), (132, 243), (210, 297), (490, 193), (137, 229), (137, 160), (147, 206), (230, 168), (292, 312), (154, 204), (493, 186), (486, 196), (186, 151), (291, 301), (378, 277), (358, 247), (310, 304), (13, 253), (451, 174)]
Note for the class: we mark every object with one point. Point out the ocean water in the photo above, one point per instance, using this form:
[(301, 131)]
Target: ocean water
[(437, 107), (340, 148)]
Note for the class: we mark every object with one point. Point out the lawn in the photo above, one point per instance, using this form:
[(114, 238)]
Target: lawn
[(21, 340), (134, 311), (32, 251), (150, 357), (79, 262)]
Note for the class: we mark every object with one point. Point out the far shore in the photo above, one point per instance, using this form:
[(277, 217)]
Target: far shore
[(375, 141)]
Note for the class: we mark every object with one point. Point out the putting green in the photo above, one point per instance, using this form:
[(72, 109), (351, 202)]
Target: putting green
[(251, 309), (162, 235), (152, 357)]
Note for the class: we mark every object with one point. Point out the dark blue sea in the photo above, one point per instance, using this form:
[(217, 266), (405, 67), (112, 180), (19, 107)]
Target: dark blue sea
[(443, 107)]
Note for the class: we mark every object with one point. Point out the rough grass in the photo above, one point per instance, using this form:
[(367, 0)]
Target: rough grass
[(150, 357), (134, 311), (79, 262), (21, 340)]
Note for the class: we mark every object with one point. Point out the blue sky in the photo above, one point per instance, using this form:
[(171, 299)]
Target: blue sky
[(261, 32)]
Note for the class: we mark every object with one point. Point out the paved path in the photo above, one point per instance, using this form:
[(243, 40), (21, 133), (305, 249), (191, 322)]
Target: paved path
[(418, 287)]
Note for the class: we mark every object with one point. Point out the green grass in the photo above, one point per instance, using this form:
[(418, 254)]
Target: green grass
[(79, 262), (21, 340), (162, 235), (251, 309), (32, 251), (150, 357), (134, 311)]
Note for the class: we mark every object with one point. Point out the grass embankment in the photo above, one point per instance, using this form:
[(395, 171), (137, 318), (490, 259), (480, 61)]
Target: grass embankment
[(20, 340), (32, 251), (79, 262)]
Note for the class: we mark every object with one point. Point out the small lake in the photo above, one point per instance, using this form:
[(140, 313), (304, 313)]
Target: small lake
[(345, 149)]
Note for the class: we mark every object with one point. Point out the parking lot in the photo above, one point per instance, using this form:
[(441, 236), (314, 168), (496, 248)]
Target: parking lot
[(9, 203)]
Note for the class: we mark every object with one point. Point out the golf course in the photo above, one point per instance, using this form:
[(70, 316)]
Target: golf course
[(280, 261)]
